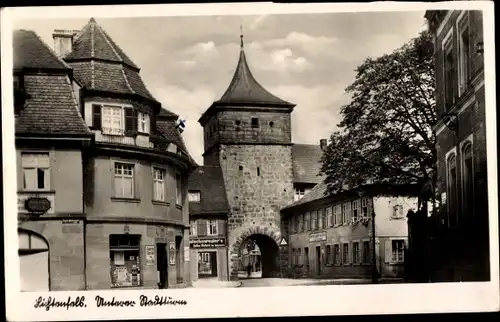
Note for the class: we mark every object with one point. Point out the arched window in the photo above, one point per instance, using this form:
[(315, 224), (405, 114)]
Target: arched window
[(467, 179), (33, 262), (451, 166)]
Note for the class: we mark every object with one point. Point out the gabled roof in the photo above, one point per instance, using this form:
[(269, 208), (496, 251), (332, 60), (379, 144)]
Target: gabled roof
[(31, 52), (94, 42), (244, 88), (51, 107), (306, 163), (99, 64), (208, 180)]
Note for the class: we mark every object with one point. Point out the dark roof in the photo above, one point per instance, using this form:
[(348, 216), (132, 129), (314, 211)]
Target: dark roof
[(245, 89), (99, 64), (31, 52), (94, 42), (164, 113), (168, 133), (306, 163), (51, 108), (320, 191), (208, 180)]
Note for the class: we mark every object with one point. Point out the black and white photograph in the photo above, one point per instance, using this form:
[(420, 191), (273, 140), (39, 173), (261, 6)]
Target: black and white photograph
[(163, 156)]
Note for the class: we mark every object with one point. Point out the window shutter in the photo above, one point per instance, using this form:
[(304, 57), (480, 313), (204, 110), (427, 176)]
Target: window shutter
[(130, 121), (221, 227), (202, 227), (152, 124), (96, 116), (388, 251)]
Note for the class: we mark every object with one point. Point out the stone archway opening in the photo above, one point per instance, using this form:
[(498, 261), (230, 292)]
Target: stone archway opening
[(262, 253)]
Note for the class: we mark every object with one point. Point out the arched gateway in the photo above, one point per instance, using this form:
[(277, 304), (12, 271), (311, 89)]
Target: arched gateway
[(267, 240)]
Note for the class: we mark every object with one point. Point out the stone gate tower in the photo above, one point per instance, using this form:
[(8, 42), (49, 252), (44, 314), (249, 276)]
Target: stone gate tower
[(247, 132)]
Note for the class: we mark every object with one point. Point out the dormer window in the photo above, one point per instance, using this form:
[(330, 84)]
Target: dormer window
[(194, 196), (112, 120), (115, 120), (143, 125)]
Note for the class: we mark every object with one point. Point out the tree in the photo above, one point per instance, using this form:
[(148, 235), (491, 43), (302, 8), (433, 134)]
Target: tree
[(386, 131)]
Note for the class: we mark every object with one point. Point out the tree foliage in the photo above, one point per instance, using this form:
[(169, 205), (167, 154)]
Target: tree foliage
[(385, 133)]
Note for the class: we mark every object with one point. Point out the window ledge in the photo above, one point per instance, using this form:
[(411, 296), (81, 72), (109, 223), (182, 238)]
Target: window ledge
[(122, 199), (160, 203), (178, 206), (36, 191)]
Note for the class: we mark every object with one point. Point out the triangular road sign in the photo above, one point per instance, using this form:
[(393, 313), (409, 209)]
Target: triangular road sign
[(283, 242)]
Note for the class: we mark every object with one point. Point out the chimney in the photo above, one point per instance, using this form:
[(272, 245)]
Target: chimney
[(63, 41), (323, 144)]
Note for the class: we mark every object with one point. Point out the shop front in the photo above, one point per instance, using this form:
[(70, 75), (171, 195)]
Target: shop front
[(209, 258)]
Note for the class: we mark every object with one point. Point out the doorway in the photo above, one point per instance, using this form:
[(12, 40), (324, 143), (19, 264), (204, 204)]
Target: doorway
[(178, 262), (207, 264), (162, 264), (33, 262), (318, 260), (306, 260)]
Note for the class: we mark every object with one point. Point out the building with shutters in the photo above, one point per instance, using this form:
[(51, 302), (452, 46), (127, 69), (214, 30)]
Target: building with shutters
[(248, 142), (112, 165), (338, 236), (456, 236)]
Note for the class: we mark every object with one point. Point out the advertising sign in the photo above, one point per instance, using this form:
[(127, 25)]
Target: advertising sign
[(150, 255), (317, 237), (207, 243)]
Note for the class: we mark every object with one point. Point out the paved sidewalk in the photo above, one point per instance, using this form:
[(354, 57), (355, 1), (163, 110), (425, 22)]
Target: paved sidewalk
[(266, 282), (214, 283)]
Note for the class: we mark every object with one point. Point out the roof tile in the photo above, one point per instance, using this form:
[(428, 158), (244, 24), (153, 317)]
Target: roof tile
[(208, 180), (306, 163)]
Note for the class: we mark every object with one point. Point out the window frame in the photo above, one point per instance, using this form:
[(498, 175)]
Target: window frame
[(145, 122), (215, 223), (394, 253), (178, 189), (467, 143), (366, 250), (108, 129), (463, 22), (445, 48), (193, 228), (122, 176), (337, 254), (47, 182), (356, 260), (345, 253), (194, 192), (159, 182)]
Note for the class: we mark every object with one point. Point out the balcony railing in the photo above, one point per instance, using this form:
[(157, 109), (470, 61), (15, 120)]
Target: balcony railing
[(116, 136)]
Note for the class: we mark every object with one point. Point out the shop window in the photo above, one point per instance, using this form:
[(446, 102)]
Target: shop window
[(124, 251)]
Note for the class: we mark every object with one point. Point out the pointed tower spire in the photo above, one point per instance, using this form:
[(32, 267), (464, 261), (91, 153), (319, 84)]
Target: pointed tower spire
[(241, 36), (244, 88)]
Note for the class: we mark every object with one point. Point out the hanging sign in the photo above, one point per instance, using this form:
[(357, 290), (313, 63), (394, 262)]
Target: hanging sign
[(150, 255)]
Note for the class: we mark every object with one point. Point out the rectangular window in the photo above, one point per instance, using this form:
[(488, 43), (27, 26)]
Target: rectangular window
[(178, 189), (194, 196), (113, 120), (398, 251), (345, 253), (345, 213), (449, 73), (36, 171), (336, 215), (365, 207), (355, 209), (124, 254), (299, 193), (468, 179), (314, 220), (321, 218), (464, 56), (355, 253), (212, 227), (307, 221), (452, 190), (255, 122), (329, 219), (336, 254), (143, 124), (366, 252), (301, 223), (193, 231), (159, 184), (398, 211), (299, 256), (124, 180), (328, 254)]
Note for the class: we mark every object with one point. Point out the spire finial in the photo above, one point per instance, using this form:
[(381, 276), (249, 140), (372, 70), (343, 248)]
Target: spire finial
[(241, 36)]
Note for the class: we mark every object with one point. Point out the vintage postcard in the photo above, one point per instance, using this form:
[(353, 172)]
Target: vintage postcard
[(238, 160)]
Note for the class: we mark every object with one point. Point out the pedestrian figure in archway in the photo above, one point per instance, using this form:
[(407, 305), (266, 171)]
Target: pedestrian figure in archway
[(249, 269)]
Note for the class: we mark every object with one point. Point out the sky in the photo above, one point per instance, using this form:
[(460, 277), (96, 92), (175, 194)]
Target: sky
[(306, 59)]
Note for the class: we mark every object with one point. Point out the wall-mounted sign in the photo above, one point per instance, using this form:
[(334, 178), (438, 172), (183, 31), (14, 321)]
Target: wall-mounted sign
[(37, 205), (150, 255), (317, 237), (207, 243), (186, 254), (71, 221), (171, 253)]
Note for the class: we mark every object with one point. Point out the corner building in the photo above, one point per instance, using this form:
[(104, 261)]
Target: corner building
[(122, 195)]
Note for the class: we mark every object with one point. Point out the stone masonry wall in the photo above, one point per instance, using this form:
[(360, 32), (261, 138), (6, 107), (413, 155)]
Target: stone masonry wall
[(258, 181)]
